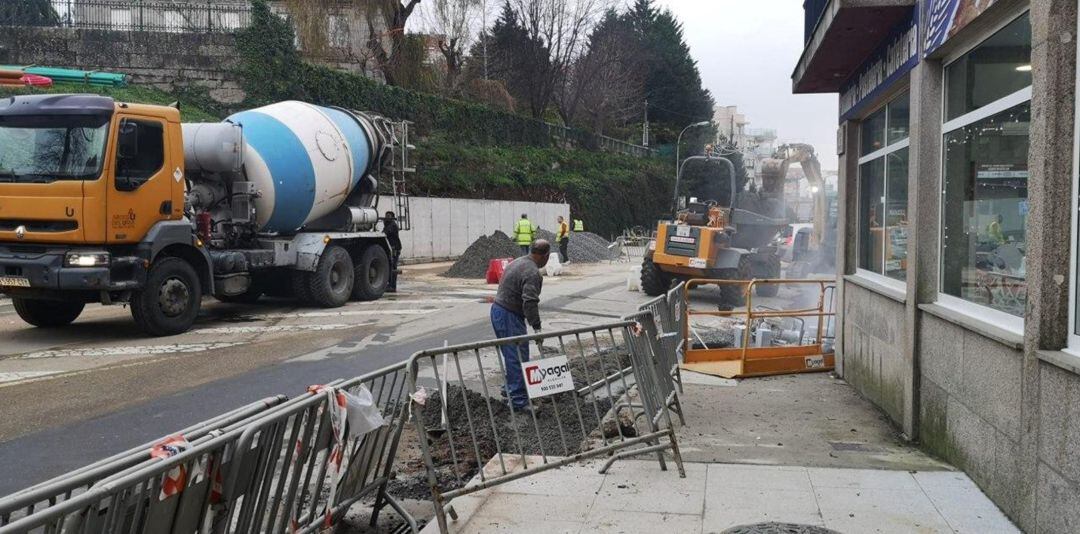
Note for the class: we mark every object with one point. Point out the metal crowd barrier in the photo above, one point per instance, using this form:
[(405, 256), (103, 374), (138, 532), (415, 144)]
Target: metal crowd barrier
[(41, 496), (631, 248), (290, 468), (758, 350), (576, 389), (666, 311)]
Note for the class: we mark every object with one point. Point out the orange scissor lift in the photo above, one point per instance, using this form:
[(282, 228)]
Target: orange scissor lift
[(804, 355)]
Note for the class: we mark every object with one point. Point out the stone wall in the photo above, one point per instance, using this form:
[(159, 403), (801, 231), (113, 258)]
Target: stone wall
[(160, 59), (970, 406), (874, 327)]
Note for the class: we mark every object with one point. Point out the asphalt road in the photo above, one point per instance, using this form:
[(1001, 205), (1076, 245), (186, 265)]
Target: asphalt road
[(70, 398)]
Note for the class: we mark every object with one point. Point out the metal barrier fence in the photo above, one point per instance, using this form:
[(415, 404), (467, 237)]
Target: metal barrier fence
[(667, 312), (41, 496), (761, 348), (293, 467), (193, 16), (576, 392)]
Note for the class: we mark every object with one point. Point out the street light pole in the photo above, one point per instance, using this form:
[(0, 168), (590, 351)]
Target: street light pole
[(677, 142)]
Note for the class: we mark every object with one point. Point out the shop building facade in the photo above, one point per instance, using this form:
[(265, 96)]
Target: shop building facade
[(957, 253)]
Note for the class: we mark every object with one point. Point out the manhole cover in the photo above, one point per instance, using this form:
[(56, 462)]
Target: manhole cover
[(778, 528)]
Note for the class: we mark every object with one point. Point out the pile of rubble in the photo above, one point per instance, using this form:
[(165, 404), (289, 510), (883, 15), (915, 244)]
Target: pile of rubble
[(584, 247), (473, 263)]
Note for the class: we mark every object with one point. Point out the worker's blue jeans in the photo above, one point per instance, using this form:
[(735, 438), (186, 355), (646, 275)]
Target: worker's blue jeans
[(509, 324)]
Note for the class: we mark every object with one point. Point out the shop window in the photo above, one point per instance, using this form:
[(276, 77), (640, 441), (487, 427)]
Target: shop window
[(883, 199), (998, 67), (984, 180), (873, 133)]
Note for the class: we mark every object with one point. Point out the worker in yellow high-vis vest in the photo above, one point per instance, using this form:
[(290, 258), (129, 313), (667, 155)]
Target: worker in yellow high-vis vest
[(563, 238), (524, 231)]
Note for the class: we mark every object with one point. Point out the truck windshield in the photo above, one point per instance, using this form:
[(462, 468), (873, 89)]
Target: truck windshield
[(47, 149)]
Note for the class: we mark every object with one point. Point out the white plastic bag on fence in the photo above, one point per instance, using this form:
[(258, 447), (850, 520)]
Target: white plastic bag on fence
[(553, 267), (633, 279), (362, 413)]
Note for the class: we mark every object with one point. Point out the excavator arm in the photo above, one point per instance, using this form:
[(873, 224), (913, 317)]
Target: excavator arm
[(774, 172)]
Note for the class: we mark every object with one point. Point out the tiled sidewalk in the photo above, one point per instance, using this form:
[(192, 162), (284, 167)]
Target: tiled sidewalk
[(636, 497)]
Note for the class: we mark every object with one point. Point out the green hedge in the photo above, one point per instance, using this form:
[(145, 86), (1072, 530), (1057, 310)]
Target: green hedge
[(609, 192)]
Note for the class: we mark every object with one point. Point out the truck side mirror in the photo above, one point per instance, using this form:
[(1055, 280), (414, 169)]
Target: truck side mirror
[(127, 145)]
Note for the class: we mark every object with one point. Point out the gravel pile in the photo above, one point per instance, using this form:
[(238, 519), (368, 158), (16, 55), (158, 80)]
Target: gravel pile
[(473, 263), (584, 247)]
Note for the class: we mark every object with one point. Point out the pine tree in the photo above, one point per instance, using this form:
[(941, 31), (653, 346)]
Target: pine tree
[(513, 58), (673, 83)]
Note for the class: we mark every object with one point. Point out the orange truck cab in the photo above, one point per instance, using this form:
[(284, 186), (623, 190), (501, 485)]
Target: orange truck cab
[(103, 201), (92, 195)]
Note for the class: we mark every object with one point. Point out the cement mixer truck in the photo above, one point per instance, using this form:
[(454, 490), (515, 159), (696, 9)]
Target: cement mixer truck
[(117, 203)]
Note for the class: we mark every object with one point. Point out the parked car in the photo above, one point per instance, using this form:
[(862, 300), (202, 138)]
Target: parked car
[(786, 239)]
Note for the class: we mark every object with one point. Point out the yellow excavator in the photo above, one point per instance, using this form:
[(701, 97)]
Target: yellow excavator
[(808, 255)]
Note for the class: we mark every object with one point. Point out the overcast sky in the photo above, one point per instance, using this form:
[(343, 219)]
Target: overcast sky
[(746, 51)]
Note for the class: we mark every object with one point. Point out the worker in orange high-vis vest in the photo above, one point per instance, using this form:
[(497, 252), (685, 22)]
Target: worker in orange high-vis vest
[(563, 238), (524, 233)]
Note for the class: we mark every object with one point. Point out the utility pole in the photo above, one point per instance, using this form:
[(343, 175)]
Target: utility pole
[(484, 36), (645, 127)]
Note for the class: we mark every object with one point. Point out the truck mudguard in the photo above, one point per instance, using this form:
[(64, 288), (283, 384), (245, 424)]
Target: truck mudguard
[(167, 233)]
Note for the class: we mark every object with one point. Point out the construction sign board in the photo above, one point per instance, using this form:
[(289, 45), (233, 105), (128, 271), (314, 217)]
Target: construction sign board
[(547, 376)]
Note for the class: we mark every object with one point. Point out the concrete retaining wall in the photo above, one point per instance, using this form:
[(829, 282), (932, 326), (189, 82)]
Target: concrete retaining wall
[(442, 228)]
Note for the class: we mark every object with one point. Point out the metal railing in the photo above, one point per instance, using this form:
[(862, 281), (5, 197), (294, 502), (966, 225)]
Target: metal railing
[(51, 492), (589, 140), (667, 309), (291, 467), (576, 391), (177, 16), (801, 353)]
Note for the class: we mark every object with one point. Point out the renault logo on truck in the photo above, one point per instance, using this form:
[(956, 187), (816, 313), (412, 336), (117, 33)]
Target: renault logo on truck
[(20, 232)]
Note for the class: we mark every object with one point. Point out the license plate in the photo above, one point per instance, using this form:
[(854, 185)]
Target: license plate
[(697, 263), (815, 362), (14, 281)]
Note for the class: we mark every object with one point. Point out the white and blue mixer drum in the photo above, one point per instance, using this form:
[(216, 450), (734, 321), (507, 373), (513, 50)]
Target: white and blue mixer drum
[(304, 160)]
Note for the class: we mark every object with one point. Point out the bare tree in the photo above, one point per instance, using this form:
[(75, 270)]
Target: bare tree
[(452, 23), (562, 26), (606, 83), (387, 16)]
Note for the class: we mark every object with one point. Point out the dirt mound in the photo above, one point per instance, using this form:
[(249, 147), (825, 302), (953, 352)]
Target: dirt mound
[(473, 263), (584, 247), (457, 464)]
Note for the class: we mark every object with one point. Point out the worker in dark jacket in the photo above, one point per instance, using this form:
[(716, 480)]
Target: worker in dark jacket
[(516, 303), (391, 229)]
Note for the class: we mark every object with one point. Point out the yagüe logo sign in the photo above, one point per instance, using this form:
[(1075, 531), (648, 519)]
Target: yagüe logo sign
[(547, 376)]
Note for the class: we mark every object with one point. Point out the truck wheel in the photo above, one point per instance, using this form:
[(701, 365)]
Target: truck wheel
[(170, 301), (654, 282), (301, 286), (734, 295), (332, 282), (47, 313), (770, 269), (372, 274)]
